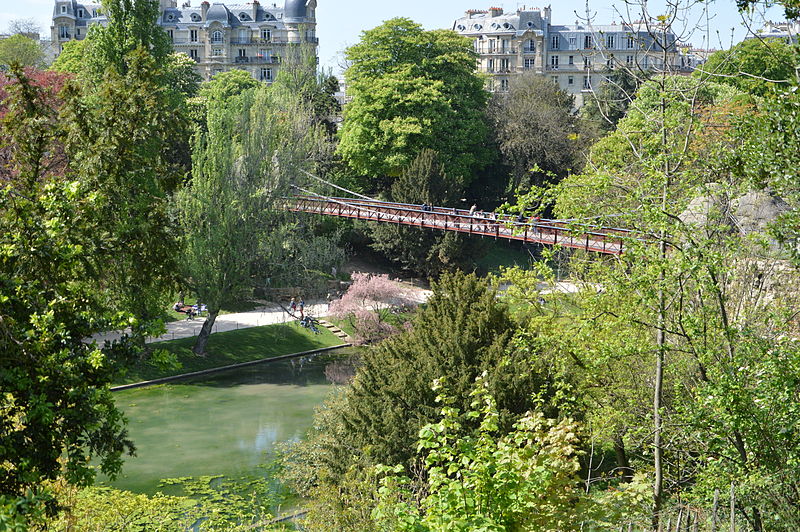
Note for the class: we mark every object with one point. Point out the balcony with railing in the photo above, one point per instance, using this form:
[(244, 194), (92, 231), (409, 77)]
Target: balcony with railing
[(258, 60)]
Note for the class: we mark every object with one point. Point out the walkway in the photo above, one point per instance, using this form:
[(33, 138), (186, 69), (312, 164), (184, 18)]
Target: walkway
[(267, 315), (548, 232)]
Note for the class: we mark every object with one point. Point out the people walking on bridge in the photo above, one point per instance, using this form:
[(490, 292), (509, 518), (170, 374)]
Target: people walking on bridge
[(472, 210), (302, 307), (293, 306)]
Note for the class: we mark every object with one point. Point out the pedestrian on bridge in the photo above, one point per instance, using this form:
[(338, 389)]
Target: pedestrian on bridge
[(292, 306), (302, 308)]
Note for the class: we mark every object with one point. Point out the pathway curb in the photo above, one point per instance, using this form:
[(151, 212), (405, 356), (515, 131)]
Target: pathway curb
[(209, 371)]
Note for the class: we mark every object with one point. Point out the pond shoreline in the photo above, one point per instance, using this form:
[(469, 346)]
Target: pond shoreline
[(210, 371)]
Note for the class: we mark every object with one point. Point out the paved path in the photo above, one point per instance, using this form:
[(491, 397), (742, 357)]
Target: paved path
[(267, 315)]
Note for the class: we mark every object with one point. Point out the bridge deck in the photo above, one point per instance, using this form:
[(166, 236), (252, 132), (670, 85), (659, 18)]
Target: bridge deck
[(548, 232)]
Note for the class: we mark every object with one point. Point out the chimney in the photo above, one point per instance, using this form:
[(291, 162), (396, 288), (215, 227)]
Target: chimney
[(204, 9), (547, 13), (256, 5), (495, 11)]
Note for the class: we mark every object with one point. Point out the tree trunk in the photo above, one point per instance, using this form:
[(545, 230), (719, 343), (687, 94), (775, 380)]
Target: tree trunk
[(622, 459), (199, 348)]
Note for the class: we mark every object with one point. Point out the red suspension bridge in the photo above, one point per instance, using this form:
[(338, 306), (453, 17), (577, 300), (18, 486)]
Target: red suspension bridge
[(529, 230)]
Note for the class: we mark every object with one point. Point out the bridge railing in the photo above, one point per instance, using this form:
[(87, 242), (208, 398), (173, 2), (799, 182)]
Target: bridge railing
[(548, 232)]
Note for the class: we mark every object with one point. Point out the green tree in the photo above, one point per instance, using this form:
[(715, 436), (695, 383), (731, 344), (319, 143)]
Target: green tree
[(255, 144), (226, 85), (20, 49), (609, 103), (422, 252), (57, 413), (536, 132), (462, 332), (413, 89), (118, 139), (131, 26), (72, 58), (526, 479), (754, 66)]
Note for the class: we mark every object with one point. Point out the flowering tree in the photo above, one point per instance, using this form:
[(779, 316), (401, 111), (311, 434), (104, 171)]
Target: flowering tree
[(366, 304)]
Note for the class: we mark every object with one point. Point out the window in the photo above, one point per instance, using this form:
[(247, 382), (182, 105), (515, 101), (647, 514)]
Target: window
[(77, 32), (530, 63), (504, 85), (644, 62), (587, 82), (571, 80), (217, 52), (490, 65), (629, 60), (171, 35), (193, 35), (63, 9), (587, 42), (610, 42), (530, 46), (262, 52), (244, 16), (587, 62), (265, 74), (505, 65), (242, 52), (63, 32), (572, 60), (554, 62), (266, 34), (244, 36), (554, 42), (631, 42), (195, 17), (555, 79), (572, 42), (491, 46), (193, 54), (504, 45), (80, 13), (217, 37)]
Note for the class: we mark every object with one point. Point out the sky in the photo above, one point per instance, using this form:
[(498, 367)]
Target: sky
[(340, 22)]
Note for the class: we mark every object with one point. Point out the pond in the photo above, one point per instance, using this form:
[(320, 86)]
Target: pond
[(224, 424)]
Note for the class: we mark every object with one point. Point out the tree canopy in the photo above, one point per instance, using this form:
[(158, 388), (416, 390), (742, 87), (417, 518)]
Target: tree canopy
[(413, 89), (20, 49), (755, 66)]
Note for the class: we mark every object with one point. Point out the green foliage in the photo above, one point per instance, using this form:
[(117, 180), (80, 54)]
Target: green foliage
[(462, 332), (413, 89), (226, 85), (72, 58), (242, 165), (131, 26), (21, 50), (536, 131), (56, 413), (118, 136), (754, 66), (609, 103), (181, 75), (486, 480), (422, 252)]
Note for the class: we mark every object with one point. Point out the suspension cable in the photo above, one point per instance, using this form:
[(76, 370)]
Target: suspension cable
[(335, 186)]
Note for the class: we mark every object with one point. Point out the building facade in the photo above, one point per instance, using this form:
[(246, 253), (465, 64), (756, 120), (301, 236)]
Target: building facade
[(218, 37), (577, 58)]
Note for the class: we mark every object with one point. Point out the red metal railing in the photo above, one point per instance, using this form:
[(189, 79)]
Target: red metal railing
[(539, 231)]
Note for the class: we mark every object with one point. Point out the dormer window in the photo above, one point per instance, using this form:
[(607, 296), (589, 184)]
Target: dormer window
[(244, 16), (170, 17), (195, 17), (461, 27), (80, 13), (63, 10)]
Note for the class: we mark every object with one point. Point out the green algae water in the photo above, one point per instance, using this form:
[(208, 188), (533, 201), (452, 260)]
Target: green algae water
[(226, 424)]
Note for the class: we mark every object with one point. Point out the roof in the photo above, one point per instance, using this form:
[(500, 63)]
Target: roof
[(228, 15)]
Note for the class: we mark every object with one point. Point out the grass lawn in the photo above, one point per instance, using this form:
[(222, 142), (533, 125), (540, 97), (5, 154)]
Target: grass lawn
[(504, 254), (233, 347)]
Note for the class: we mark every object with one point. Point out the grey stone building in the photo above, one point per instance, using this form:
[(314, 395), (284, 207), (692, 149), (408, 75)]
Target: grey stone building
[(576, 57), (218, 36)]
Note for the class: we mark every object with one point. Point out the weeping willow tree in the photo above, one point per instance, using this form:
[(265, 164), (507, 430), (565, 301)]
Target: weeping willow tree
[(241, 166)]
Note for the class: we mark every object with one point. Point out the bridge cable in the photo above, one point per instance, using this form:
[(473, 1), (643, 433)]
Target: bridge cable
[(336, 186)]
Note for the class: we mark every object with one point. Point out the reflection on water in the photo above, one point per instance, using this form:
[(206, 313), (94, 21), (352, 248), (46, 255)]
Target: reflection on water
[(225, 424)]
